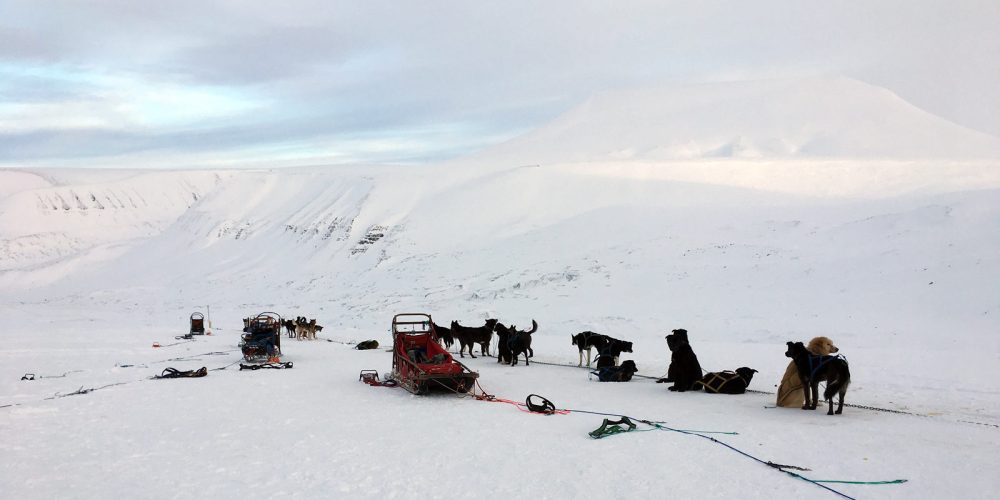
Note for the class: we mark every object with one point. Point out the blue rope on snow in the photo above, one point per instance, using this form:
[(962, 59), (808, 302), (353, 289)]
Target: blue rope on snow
[(741, 452)]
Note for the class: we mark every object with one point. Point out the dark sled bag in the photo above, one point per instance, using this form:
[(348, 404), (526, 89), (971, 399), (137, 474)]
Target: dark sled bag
[(368, 344)]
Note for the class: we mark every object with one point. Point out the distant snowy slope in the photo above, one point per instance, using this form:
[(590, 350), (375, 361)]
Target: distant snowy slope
[(818, 118), (49, 223), (611, 246), (13, 181)]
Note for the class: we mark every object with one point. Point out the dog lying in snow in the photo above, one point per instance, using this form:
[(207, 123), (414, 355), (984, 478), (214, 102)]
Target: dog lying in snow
[(621, 373), (790, 393), (727, 382)]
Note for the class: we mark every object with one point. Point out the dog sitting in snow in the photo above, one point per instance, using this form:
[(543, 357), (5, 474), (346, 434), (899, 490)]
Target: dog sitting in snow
[(814, 369), (684, 368), (727, 382), (585, 340), (790, 393)]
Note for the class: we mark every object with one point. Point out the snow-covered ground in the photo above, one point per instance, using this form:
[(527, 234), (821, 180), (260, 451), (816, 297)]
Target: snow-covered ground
[(897, 260)]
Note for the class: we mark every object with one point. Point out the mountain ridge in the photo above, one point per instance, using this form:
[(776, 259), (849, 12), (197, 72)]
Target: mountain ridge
[(765, 119)]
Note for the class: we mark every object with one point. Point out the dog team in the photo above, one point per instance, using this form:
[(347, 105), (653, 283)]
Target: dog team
[(302, 329), (809, 365), (511, 345)]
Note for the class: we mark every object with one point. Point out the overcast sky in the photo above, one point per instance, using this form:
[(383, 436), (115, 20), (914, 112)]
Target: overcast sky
[(219, 82)]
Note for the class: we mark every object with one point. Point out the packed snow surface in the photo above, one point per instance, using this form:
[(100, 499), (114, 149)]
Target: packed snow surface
[(897, 262)]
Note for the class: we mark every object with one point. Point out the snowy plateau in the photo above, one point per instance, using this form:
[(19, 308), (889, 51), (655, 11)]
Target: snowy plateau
[(750, 214)]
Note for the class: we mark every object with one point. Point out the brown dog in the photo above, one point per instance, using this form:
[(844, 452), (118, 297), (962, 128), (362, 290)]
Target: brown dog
[(790, 394)]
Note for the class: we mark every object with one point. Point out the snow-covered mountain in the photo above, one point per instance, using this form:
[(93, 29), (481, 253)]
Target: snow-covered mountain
[(655, 237), (793, 118)]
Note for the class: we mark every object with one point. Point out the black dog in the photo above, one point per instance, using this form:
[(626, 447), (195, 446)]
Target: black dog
[(605, 360), (470, 336), (615, 348), (444, 333), (367, 344), (684, 369), (520, 343), (504, 354), (814, 369), (727, 382), (289, 326), (585, 340), (621, 373)]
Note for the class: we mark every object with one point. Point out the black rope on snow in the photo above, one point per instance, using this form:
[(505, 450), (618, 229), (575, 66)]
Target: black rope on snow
[(176, 343), (175, 373), (875, 408), (979, 423), (275, 366), (195, 357), (81, 390), (32, 376), (227, 366)]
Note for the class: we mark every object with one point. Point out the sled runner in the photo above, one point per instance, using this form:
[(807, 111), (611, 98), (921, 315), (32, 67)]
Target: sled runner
[(419, 363)]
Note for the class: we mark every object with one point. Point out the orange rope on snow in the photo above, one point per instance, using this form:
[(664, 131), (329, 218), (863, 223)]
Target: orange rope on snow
[(517, 404)]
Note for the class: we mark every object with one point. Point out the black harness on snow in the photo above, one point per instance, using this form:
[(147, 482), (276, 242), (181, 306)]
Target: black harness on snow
[(276, 366), (546, 406), (719, 379), (175, 373)]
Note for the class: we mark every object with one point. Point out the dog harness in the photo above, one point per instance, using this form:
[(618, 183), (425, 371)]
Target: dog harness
[(270, 364), (546, 406), (822, 361), (722, 378), (611, 427)]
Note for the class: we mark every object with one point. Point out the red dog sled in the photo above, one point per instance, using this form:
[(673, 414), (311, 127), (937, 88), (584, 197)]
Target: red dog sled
[(419, 363)]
